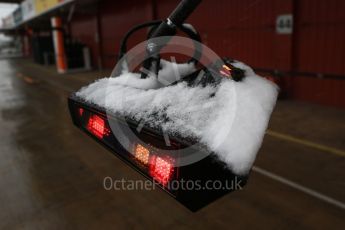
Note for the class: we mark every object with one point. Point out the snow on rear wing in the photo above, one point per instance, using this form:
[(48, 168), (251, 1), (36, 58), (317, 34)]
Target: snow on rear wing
[(231, 123)]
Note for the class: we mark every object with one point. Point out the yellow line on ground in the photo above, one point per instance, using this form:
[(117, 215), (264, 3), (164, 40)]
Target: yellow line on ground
[(325, 148)]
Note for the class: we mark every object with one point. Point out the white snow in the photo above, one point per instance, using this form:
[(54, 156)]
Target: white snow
[(169, 73), (231, 124)]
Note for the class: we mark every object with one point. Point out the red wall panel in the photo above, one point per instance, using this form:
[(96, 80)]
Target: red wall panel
[(324, 91), (242, 29), (320, 49), (239, 29), (84, 29), (245, 30), (117, 17)]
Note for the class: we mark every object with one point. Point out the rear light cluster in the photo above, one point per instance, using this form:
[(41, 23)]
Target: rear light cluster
[(161, 168), (151, 162)]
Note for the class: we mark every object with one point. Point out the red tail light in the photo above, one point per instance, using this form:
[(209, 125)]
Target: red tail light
[(96, 125), (161, 169)]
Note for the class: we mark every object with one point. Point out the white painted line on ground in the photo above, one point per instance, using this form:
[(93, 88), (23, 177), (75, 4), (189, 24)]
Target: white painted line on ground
[(299, 187)]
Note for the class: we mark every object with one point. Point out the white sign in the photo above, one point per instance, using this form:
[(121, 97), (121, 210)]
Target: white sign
[(284, 24), (28, 9)]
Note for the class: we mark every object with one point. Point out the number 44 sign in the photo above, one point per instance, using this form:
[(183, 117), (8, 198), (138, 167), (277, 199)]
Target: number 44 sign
[(284, 24)]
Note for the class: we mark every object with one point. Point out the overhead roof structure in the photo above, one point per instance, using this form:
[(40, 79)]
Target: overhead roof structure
[(10, 1), (40, 20)]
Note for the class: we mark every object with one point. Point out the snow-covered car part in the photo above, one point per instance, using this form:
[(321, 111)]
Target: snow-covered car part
[(221, 118)]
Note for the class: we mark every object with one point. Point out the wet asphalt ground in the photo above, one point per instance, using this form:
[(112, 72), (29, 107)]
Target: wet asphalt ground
[(51, 174)]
